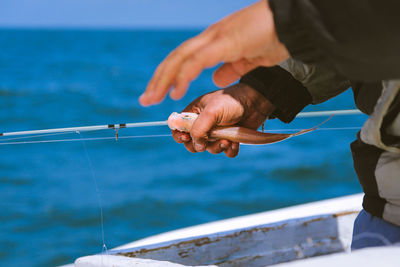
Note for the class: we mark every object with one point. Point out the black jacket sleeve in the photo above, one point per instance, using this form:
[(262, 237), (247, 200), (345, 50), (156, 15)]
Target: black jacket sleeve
[(277, 85), (357, 38)]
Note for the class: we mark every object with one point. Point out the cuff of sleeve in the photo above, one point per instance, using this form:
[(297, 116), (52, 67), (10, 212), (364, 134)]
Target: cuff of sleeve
[(290, 29), (287, 94)]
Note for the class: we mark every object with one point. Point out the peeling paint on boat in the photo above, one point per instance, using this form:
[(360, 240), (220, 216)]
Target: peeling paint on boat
[(325, 228)]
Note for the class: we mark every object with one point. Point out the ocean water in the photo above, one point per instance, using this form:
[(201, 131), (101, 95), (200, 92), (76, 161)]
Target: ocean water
[(49, 203)]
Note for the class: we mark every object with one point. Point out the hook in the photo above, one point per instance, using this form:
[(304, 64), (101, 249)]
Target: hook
[(116, 134), (263, 124)]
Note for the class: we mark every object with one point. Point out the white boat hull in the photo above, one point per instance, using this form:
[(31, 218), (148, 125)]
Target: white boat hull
[(262, 239)]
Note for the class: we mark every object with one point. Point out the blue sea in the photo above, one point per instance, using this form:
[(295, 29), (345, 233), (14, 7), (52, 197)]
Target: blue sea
[(51, 193)]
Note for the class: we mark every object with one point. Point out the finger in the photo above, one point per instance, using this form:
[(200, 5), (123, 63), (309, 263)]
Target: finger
[(209, 56), (224, 75), (181, 87), (230, 72), (154, 92), (189, 147), (165, 74), (180, 137), (233, 150), (218, 146), (202, 125), (196, 105), (145, 99)]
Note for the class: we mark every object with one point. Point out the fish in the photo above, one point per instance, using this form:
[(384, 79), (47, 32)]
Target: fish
[(183, 122)]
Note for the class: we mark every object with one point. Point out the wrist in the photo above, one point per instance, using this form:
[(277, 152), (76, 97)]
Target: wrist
[(285, 93), (253, 102), (256, 100)]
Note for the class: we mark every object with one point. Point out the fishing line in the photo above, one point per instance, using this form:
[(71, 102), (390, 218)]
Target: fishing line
[(35, 136), (318, 129), (83, 139), (144, 136), (118, 126), (93, 174)]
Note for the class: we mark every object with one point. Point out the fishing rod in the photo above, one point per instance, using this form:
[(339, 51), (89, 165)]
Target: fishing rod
[(86, 128), (329, 113), (116, 127)]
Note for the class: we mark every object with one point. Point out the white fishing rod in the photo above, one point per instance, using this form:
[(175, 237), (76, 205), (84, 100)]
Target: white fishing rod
[(329, 113), (86, 128), (116, 127)]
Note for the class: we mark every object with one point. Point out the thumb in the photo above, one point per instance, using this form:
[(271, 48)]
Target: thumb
[(230, 72), (206, 120)]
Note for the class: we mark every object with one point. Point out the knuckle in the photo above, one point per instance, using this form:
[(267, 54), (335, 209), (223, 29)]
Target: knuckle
[(213, 29), (199, 146), (211, 111), (189, 147), (181, 80), (230, 154), (214, 148), (220, 31), (176, 53), (197, 134), (212, 151), (176, 138)]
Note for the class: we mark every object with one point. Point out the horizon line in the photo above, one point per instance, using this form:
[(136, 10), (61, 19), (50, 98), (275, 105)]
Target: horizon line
[(103, 27)]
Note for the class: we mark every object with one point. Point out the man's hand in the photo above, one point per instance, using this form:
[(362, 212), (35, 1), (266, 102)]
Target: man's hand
[(242, 41), (238, 104)]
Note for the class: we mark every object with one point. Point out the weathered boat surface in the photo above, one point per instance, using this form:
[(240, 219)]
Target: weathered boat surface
[(266, 238)]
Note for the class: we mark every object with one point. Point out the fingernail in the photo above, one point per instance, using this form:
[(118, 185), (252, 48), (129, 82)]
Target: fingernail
[(185, 138), (142, 98), (223, 146), (234, 146), (147, 94), (199, 147), (174, 94)]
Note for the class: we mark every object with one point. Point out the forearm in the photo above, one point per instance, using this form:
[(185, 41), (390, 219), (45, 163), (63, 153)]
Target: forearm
[(322, 83), (357, 38), (294, 85), (277, 85)]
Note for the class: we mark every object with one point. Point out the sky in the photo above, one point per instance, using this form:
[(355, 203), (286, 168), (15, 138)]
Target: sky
[(115, 13)]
